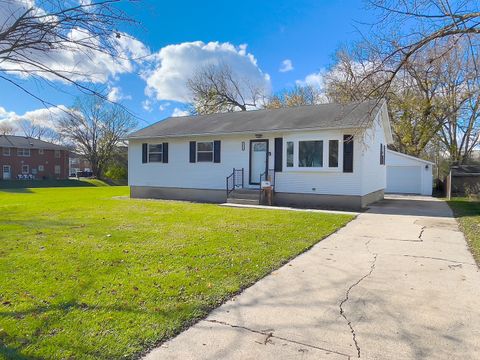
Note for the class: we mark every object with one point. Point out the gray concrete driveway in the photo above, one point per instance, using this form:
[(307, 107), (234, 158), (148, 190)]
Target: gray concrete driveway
[(398, 282)]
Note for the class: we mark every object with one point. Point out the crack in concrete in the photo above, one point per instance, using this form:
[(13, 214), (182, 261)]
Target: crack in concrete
[(347, 296), (437, 258), (421, 233), (269, 335)]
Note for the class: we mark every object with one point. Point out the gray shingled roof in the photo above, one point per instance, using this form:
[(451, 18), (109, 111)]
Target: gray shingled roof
[(324, 116), (13, 141)]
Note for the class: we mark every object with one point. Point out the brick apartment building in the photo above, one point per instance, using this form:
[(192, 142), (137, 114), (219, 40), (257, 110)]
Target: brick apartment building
[(22, 157)]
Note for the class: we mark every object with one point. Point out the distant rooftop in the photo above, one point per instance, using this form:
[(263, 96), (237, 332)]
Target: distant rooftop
[(14, 141), (310, 117)]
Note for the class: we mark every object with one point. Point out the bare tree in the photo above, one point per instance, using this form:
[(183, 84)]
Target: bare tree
[(33, 34), (95, 129), (408, 27), (34, 130), (296, 96), (6, 128), (216, 88)]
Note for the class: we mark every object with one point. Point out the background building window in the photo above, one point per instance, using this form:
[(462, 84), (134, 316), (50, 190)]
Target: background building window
[(57, 169), (23, 152), (25, 169), (40, 167), (310, 153), (6, 151), (289, 153), (57, 154), (333, 153), (205, 151), (40, 151), (155, 152)]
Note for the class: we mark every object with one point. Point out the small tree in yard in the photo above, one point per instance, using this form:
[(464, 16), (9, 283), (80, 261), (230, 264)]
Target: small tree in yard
[(95, 128)]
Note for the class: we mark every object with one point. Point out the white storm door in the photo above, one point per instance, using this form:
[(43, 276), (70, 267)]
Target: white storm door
[(258, 160)]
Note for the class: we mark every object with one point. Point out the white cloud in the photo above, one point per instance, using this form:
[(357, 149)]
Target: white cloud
[(45, 117), (175, 64), (314, 79), (179, 112), (147, 105), (115, 95), (164, 106), (286, 66), (74, 62)]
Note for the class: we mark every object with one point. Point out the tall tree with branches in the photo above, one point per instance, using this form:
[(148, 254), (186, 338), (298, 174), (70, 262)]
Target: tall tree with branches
[(216, 89), (296, 96), (95, 128)]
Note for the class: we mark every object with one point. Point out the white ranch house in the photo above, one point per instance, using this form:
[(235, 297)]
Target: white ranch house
[(328, 155)]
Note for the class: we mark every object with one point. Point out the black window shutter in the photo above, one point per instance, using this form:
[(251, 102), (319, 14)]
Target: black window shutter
[(144, 153), (193, 150), (384, 154), (381, 154), (278, 154), (347, 153), (165, 152), (216, 151)]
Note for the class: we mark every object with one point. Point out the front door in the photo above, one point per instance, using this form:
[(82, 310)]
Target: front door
[(258, 160), (7, 172)]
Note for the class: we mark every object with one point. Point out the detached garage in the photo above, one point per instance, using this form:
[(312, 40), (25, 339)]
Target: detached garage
[(408, 175)]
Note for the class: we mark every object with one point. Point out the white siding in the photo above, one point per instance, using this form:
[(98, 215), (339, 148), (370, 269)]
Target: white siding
[(367, 176), (324, 181), (423, 174), (373, 174)]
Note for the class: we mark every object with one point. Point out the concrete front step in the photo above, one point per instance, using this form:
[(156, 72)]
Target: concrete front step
[(243, 201), (249, 196)]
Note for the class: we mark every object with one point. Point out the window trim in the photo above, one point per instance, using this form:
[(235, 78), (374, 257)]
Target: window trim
[(4, 153), (22, 154), (154, 153), (309, 137), (204, 151), (28, 169), (55, 170)]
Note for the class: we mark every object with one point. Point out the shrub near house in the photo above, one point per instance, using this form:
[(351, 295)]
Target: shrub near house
[(32, 158)]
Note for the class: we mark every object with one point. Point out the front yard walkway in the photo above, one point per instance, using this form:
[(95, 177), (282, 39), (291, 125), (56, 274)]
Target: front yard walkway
[(396, 283)]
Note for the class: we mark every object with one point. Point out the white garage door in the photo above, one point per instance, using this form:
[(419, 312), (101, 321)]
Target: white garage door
[(404, 179)]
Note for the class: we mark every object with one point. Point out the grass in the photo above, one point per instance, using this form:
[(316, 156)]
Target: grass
[(468, 213), (26, 184), (89, 275)]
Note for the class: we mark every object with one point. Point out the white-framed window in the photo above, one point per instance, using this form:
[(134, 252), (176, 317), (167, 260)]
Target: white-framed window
[(6, 151), (310, 153), (34, 171), (155, 152), (57, 169), (40, 151), (23, 152), (40, 168), (57, 154), (333, 153), (290, 151), (205, 151), (307, 153), (25, 169)]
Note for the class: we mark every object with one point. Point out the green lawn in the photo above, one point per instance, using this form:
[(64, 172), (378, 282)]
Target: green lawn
[(468, 214), (85, 274)]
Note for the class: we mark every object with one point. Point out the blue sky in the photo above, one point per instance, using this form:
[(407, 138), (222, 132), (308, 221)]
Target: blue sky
[(306, 32)]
